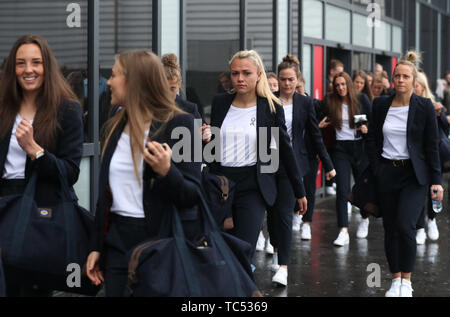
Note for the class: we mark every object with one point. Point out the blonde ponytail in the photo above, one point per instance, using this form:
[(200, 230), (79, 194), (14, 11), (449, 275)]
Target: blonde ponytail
[(262, 87)]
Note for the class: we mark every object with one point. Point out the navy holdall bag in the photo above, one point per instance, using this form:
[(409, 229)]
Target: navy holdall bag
[(47, 243), (218, 265)]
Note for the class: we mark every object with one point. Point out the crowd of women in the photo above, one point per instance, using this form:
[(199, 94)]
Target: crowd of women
[(397, 137)]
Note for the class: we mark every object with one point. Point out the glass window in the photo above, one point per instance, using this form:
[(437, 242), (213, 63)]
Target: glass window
[(397, 44), (212, 33), (306, 63), (170, 27), (337, 24), (428, 42), (282, 29), (361, 61), (260, 29), (441, 4), (83, 186), (295, 29), (313, 18), (362, 33), (62, 23), (124, 26), (383, 36)]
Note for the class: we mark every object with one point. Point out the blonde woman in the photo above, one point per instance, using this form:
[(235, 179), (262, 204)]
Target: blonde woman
[(422, 89), (245, 116), (139, 181), (404, 156)]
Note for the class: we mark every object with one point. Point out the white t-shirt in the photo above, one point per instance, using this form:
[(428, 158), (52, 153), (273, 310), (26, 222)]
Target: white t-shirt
[(125, 189), (395, 145), (346, 133), (17, 157), (288, 116), (239, 138)]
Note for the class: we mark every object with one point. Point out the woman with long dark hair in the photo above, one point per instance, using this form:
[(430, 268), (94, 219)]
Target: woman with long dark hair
[(41, 122), (348, 156), (140, 183), (361, 83)]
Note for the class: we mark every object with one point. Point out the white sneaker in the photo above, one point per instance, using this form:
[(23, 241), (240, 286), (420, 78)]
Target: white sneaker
[(269, 247), (363, 229), (281, 277), (274, 266), (394, 291), (421, 237), (406, 289), (329, 190), (296, 222), (261, 242), (433, 232), (349, 208), (342, 239), (306, 231)]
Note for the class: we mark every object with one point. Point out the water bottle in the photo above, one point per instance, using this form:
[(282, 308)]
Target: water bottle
[(437, 205)]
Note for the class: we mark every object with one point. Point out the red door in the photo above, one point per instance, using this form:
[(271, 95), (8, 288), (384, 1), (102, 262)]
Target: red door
[(318, 93)]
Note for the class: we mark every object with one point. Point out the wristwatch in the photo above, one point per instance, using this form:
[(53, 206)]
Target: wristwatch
[(39, 154)]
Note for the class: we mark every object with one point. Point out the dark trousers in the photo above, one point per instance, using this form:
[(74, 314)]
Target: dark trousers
[(279, 218), (124, 234), (348, 157), (429, 207), (402, 200), (310, 187), (248, 206)]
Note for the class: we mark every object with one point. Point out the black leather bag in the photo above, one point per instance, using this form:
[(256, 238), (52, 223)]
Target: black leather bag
[(218, 265), (219, 194), (42, 241), (444, 151), (363, 194)]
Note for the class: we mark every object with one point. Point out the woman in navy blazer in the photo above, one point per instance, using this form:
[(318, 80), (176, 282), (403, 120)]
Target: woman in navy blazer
[(41, 123), (251, 111), (148, 117), (300, 118), (339, 108), (404, 156)]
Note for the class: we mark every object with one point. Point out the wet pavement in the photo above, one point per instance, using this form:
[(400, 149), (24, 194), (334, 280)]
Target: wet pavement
[(319, 269)]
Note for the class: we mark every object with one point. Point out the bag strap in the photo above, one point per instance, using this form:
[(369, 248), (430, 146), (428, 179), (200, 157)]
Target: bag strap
[(190, 272), (221, 245), (224, 186)]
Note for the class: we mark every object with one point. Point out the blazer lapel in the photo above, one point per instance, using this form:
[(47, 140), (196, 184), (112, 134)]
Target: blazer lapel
[(411, 114), (4, 145)]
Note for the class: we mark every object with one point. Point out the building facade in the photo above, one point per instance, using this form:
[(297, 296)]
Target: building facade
[(86, 34)]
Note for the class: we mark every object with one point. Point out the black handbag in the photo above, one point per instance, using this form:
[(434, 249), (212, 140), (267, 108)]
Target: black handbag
[(444, 151), (47, 243), (219, 194), (364, 195), (218, 265)]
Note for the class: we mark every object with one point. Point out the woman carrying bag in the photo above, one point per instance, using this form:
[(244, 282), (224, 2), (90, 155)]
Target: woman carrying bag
[(247, 114), (41, 128), (403, 148), (139, 182)]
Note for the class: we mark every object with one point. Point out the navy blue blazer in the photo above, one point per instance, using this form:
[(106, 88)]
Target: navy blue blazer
[(265, 119), (188, 107), (178, 189), (422, 137), (306, 135), (68, 148)]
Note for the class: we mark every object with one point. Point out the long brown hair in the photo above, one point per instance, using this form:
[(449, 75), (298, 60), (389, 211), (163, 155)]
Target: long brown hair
[(334, 102), (147, 96), (366, 90), (54, 90)]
